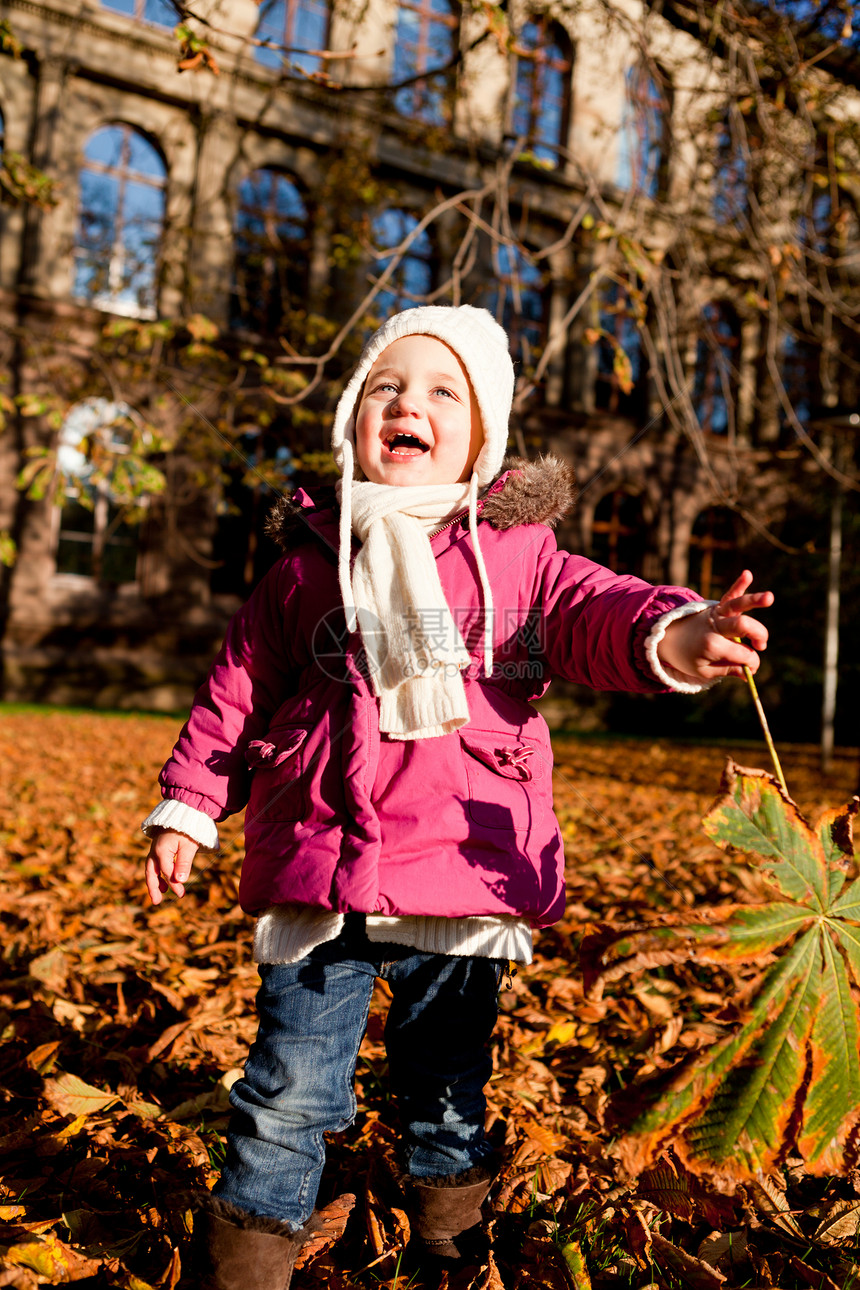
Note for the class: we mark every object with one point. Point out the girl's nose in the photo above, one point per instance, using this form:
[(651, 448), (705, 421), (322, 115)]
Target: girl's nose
[(406, 404)]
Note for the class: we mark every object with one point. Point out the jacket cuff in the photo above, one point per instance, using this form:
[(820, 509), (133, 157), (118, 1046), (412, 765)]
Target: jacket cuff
[(680, 682), (181, 818)]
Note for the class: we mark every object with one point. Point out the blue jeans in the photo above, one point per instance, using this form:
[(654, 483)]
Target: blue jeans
[(299, 1076)]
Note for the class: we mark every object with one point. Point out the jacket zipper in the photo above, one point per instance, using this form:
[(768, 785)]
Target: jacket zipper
[(449, 524)]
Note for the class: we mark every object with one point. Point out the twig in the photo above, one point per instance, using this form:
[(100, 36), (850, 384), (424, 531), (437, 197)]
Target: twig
[(750, 680)]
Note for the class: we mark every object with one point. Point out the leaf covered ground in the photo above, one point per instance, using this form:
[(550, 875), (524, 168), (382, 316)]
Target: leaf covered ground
[(123, 1026)]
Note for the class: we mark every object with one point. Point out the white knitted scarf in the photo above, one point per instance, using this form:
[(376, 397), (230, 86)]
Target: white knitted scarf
[(414, 648)]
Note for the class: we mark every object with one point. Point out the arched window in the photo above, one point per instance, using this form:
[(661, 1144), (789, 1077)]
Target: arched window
[(121, 222), (620, 367), (300, 26), (542, 87), (737, 140), (824, 215), (412, 279), (801, 377), (713, 551), (161, 13), (520, 301), (817, 222), (425, 40), (643, 143), (93, 540), (617, 532), (263, 462), (716, 377), (272, 249)]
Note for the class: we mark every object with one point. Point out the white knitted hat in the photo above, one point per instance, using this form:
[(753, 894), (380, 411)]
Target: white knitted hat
[(482, 347)]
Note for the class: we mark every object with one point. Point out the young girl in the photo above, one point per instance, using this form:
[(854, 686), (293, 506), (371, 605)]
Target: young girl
[(371, 706)]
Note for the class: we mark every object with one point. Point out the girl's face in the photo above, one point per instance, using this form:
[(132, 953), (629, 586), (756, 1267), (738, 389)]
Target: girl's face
[(418, 420)]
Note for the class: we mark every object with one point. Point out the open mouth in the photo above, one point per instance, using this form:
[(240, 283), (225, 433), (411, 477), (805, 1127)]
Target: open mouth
[(406, 445)]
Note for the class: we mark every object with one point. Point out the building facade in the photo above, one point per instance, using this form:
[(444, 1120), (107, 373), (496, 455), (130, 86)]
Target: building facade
[(216, 240)]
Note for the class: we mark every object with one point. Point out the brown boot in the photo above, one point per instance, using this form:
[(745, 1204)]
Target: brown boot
[(446, 1220), (238, 1251)]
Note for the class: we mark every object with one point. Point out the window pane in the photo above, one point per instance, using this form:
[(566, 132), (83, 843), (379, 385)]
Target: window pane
[(519, 301), (439, 48), (99, 210), (93, 539), (298, 25), (426, 38), (801, 376), (617, 533), (96, 233), (716, 368), (160, 12), (713, 551), (105, 146), (541, 88), (617, 320), (310, 30), (272, 247), (140, 237), (412, 280), (142, 157), (75, 546), (121, 6), (119, 553), (120, 221), (143, 208), (731, 180), (272, 26), (643, 134)]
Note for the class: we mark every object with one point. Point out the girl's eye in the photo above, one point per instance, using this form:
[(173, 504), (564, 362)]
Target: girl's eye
[(441, 389), (387, 385)]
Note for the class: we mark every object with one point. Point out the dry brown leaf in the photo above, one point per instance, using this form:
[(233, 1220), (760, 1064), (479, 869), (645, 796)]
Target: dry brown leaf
[(812, 1276), (71, 1095), (42, 1059), (489, 1278), (17, 1278), (639, 1238), (723, 1250), (544, 1139), (214, 1101), (691, 1271), (769, 1192), (664, 1188), (165, 1040), (171, 1274), (840, 1223), (49, 1257), (334, 1218), (52, 969)]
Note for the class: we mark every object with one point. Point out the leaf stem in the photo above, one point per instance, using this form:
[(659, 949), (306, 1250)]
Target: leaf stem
[(765, 728)]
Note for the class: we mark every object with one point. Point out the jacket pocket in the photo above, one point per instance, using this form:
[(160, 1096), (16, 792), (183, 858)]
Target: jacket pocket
[(278, 783), (507, 779)]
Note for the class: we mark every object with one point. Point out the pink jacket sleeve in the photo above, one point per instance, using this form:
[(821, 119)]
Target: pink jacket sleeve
[(595, 622), (251, 677)]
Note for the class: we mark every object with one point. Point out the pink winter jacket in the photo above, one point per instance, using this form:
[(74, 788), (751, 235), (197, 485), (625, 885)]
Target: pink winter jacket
[(341, 817)]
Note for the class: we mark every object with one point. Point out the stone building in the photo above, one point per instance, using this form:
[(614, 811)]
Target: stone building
[(585, 179)]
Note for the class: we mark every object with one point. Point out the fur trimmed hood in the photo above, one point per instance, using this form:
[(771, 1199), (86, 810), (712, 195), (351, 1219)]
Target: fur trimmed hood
[(526, 492)]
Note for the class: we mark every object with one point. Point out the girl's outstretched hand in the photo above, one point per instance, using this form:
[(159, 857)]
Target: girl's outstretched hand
[(168, 865), (705, 646)]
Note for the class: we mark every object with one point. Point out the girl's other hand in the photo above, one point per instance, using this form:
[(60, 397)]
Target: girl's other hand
[(168, 864), (711, 644)]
